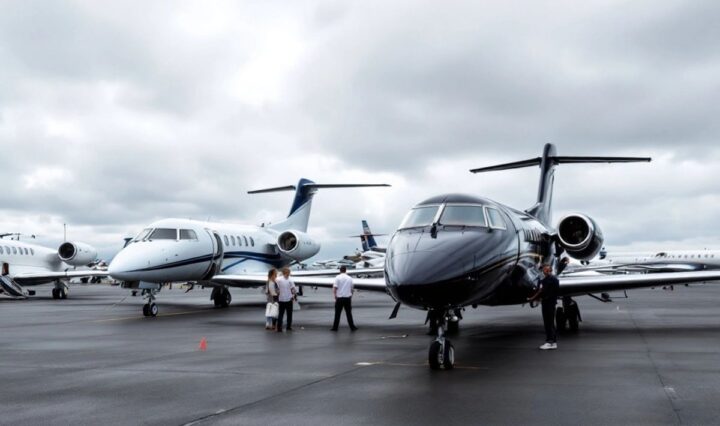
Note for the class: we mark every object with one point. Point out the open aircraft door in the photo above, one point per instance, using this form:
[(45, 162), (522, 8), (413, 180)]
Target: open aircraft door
[(218, 253)]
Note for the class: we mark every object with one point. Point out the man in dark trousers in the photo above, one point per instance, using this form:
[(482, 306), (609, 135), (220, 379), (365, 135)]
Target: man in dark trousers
[(343, 291), (548, 292)]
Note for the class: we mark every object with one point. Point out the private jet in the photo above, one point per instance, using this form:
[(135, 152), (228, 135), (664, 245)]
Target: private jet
[(181, 250), (453, 251), (26, 265)]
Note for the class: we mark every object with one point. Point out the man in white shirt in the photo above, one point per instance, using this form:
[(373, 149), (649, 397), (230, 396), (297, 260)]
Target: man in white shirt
[(286, 294), (343, 291)]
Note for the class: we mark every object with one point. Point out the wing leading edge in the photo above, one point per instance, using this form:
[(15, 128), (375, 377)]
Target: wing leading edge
[(575, 285)]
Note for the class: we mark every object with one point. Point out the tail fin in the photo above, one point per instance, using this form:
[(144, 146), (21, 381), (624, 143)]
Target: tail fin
[(367, 238), (542, 209), (305, 190)]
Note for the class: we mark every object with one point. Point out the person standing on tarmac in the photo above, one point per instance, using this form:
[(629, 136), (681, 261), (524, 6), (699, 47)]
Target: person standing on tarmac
[(271, 293), (548, 291), (343, 291), (286, 294)]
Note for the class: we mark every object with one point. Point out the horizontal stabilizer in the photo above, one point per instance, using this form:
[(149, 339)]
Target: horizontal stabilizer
[(561, 160), (367, 235), (278, 189), (318, 186)]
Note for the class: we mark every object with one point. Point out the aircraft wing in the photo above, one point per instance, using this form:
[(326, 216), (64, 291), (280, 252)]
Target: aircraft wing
[(369, 284), (334, 272), (640, 268), (582, 284), (29, 279)]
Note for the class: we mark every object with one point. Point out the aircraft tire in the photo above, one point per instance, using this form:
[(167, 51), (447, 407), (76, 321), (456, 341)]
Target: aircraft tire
[(153, 310), (434, 355), (449, 356), (55, 293), (62, 293), (146, 311), (226, 299), (561, 319), (573, 317), (453, 327)]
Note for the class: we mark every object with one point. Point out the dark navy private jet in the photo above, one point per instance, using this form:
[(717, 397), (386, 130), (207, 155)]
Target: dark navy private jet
[(453, 251)]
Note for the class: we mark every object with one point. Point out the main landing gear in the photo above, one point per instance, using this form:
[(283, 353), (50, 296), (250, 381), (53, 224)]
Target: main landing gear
[(441, 353), (568, 316), (221, 297), (150, 309), (60, 291)]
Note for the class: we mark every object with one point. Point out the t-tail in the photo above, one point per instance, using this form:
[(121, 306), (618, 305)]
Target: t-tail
[(305, 190), (542, 209), (367, 238)]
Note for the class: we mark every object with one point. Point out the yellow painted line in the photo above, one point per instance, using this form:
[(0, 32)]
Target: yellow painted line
[(398, 364), (142, 317)]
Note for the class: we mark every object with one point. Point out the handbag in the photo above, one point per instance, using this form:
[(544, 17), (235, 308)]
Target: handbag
[(272, 310)]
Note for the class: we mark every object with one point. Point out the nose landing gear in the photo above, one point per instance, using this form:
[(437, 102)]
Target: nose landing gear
[(60, 291), (221, 297), (441, 353), (150, 309)]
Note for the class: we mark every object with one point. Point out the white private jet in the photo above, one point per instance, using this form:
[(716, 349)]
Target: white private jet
[(24, 265), (181, 250), (649, 262)]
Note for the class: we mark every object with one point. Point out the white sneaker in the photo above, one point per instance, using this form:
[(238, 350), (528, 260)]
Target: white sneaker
[(548, 346)]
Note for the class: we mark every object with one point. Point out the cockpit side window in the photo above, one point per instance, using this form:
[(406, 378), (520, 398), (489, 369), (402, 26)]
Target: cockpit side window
[(419, 216), (188, 234), (142, 235), (496, 220), (463, 215), (163, 234)]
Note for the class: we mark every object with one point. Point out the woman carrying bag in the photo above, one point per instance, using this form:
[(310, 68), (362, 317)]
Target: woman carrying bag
[(271, 309)]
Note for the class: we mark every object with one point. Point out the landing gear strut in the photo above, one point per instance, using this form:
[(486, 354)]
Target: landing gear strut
[(568, 315), (441, 353), (60, 291), (221, 297), (150, 309)]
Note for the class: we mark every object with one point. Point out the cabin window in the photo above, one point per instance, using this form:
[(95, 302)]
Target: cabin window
[(188, 234), (1, 250), (232, 239), (496, 219), (252, 242), (246, 241), (7, 249), (143, 234), (27, 252), (14, 250), (419, 216), (227, 242), (32, 252), (163, 234), (463, 216)]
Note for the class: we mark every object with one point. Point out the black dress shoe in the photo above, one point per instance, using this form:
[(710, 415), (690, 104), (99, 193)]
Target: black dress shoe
[(333, 329)]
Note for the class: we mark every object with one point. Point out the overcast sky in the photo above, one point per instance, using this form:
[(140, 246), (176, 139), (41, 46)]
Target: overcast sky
[(115, 114)]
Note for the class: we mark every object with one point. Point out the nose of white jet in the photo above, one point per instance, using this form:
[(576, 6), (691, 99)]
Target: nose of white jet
[(122, 266)]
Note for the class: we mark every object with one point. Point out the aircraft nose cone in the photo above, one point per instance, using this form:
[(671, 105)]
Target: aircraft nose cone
[(121, 266)]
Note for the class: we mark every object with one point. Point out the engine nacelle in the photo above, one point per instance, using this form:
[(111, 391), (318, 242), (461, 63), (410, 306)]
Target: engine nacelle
[(580, 236), (77, 254), (297, 245)]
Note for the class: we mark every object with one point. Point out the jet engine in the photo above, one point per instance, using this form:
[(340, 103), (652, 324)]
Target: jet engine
[(77, 254), (297, 245), (580, 236)]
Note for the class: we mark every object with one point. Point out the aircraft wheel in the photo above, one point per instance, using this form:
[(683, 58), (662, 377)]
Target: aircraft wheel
[(146, 311), (561, 319), (62, 293), (434, 355), (573, 317), (226, 299), (55, 293), (153, 310), (449, 356)]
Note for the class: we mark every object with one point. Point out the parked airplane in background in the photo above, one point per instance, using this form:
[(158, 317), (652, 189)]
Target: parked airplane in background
[(650, 262), (172, 250), (453, 251), (24, 265), (372, 256)]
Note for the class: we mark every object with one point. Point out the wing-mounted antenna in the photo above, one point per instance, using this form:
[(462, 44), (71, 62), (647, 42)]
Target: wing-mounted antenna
[(542, 209)]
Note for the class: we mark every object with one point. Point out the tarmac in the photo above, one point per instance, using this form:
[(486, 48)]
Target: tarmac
[(653, 358)]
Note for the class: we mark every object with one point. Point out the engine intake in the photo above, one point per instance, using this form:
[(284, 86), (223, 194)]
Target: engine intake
[(297, 245), (77, 254), (580, 236)]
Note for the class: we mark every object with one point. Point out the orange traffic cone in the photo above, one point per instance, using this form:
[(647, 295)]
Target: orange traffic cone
[(203, 344)]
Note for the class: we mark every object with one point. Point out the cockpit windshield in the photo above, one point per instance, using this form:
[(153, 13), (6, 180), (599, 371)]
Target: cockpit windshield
[(142, 235), (463, 215), (163, 234), (419, 216)]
